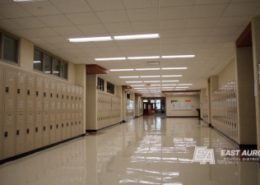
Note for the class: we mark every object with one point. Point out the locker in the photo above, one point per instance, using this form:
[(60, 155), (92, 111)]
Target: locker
[(58, 131), (63, 128), (39, 94), (1, 134), (10, 90), (9, 135), (45, 129), (29, 131), (38, 140), (21, 91), (52, 128), (19, 133), (30, 88)]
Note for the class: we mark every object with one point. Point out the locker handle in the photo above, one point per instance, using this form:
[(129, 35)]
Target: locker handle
[(17, 132), (44, 94), (28, 92), (57, 126), (57, 95), (36, 129), (18, 91), (6, 134), (7, 89), (62, 96), (37, 93), (44, 128), (51, 127), (62, 125), (51, 95), (27, 130)]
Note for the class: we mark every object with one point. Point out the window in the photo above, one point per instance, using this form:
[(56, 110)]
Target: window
[(37, 61), (110, 88), (145, 101), (100, 84), (128, 96), (49, 64), (9, 47), (56, 67)]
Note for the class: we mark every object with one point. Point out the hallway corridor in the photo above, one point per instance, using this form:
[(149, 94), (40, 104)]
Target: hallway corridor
[(147, 150)]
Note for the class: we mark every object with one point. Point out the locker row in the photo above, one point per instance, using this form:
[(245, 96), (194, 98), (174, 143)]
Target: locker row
[(36, 111), (224, 109), (23, 90)]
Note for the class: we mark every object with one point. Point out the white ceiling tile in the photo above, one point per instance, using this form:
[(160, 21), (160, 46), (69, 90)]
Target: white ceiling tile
[(113, 16), (83, 18), (39, 33), (39, 8), (146, 27), (143, 14), (175, 12), (208, 11), (212, 1), (136, 4), (101, 5), (242, 9), (167, 3), (56, 20), (28, 23), (178, 23), (202, 23), (119, 28), (71, 6), (12, 11), (233, 21), (67, 31), (95, 29)]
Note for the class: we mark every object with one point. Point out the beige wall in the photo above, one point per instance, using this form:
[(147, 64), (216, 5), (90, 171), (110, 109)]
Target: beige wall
[(228, 73), (170, 111)]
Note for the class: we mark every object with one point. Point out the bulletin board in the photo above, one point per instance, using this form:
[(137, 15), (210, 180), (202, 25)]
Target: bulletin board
[(182, 104)]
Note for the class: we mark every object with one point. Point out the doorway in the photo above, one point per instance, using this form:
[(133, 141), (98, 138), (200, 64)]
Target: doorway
[(153, 106)]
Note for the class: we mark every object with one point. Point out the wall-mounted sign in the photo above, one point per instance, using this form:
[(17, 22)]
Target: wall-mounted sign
[(181, 104)]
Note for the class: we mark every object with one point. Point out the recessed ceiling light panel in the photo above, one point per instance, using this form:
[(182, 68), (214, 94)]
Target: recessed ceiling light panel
[(90, 39), (110, 59), (138, 36)]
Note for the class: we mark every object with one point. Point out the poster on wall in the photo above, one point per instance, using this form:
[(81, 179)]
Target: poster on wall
[(181, 104)]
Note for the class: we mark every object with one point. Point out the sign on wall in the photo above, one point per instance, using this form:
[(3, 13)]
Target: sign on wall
[(181, 104)]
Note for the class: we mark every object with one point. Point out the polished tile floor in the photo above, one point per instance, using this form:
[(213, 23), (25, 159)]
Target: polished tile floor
[(148, 150)]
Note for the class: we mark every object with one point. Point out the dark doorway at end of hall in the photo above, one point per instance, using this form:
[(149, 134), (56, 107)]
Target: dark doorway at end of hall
[(154, 105)]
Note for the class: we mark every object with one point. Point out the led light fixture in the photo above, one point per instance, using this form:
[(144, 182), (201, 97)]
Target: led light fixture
[(147, 69), (110, 59), (174, 68), (170, 76), (177, 56), (118, 70), (150, 76), (90, 39), (170, 81), (128, 77), (138, 36), (130, 82), (143, 57)]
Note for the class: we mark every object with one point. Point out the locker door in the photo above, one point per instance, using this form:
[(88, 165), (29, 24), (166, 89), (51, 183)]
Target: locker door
[(19, 133), (45, 129), (21, 92), (52, 127), (9, 135), (38, 139), (1, 110), (30, 90), (29, 131), (63, 126), (58, 128), (10, 78), (39, 94)]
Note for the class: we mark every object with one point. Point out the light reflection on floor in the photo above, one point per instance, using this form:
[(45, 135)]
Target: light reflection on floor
[(147, 150)]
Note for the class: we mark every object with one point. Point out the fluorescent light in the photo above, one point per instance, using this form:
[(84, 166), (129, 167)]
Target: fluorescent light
[(19, 1), (37, 62), (152, 81), (129, 82), (128, 76), (174, 68), (150, 76), (147, 69), (143, 57), (116, 70), (155, 85), (170, 81), (138, 36), (139, 88), (169, 76), (110, 59), (167, 87), (177, 56), (90, 39), (182, 87)]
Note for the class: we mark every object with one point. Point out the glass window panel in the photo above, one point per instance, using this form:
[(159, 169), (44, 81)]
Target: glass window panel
[(63, 69), (100, 84), (37, 61), (56, 67), (145, 100), (110, 88), (47, 63), (10, 48)]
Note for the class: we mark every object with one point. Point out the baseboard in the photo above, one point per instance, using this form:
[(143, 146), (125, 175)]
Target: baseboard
[(96, 130), (19, 156)]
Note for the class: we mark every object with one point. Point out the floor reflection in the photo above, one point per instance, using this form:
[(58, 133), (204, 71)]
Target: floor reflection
[(148, 150)]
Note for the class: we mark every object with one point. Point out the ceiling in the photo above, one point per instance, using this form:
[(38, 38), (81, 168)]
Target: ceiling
[(206, 28)]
